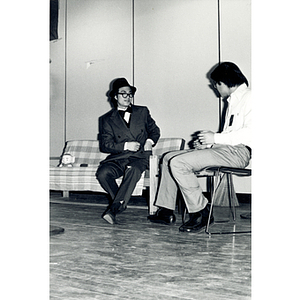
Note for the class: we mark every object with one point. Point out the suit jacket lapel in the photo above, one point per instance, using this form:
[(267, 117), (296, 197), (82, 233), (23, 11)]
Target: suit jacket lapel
[(133, 118), (117, 120)]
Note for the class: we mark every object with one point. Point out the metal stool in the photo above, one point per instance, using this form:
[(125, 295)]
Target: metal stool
[(228, 171)]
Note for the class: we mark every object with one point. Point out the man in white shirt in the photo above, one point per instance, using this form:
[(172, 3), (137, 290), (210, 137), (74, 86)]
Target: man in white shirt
[(230, 148)]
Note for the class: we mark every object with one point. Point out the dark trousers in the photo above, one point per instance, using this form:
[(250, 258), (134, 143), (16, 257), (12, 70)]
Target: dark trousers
[(131, 169)]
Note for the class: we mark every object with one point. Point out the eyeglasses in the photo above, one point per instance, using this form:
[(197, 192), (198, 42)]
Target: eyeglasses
[(214, 84), (125, 95)]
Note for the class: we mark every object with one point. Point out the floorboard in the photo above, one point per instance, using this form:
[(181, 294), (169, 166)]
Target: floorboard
[(137, 259)]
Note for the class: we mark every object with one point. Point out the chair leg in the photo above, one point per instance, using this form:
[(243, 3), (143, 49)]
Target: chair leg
[(230, 193), (231, 202), (211, 180), (233, 195), (215, 185), (66, 194), (182, 209)]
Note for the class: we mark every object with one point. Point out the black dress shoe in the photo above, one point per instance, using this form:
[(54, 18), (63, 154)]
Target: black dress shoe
[(109, 217), (246, 215), (110, 213), (163, 216), (197, 221), (193, 224)]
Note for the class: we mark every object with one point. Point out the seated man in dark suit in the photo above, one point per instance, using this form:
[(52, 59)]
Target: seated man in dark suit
[(128, 132)]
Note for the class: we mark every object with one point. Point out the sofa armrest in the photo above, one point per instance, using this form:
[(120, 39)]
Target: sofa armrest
[(168, 144), (163, 146), (54, 161), (153, 178)]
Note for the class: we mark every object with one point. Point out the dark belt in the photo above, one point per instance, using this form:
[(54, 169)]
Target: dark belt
[(249, 149)]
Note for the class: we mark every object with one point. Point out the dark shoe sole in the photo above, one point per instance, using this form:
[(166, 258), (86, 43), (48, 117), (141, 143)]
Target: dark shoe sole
[(197, 228), (246, 216), (161, 221)]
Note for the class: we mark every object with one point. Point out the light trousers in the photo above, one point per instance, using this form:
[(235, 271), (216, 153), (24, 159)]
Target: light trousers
[(178, 169)]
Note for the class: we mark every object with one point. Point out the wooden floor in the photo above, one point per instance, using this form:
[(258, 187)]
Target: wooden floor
[(137, 259)]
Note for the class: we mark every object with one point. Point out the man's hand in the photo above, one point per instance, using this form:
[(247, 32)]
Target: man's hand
[(148, 146), (133, 146), (206, 137), (198, 146)]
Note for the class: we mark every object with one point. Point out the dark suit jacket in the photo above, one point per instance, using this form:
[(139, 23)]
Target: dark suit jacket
[(113, 133)]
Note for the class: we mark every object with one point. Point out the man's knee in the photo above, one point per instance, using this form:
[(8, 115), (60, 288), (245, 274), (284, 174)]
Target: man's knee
[(133, 171), (103, 174), (175, 161), (170, 156), (178, 164), (167, 157)]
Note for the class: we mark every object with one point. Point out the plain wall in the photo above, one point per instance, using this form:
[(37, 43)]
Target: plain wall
[(236, 46), (164, 47), (99, 50), (175, 46), (57, 87)]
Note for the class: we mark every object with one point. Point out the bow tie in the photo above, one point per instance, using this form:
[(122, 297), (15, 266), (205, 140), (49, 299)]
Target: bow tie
[(125, 115)]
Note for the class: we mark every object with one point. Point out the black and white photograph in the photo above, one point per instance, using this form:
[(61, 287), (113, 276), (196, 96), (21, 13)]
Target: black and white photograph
[(151, 140), (153, 203)]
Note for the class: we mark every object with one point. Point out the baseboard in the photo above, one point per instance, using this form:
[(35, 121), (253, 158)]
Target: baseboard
[(94, 196)]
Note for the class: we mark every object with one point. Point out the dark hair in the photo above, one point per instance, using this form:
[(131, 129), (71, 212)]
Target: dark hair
[(228, 73), (116, 85)]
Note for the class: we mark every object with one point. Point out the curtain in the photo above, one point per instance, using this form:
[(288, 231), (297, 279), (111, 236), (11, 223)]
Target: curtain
[(53, 19)]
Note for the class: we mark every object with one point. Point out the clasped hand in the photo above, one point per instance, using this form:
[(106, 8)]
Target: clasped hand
[(205, 138), (133, 146), (148, 146)]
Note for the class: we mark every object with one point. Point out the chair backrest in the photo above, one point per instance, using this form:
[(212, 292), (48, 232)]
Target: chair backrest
[(85, 152), (168, 144)]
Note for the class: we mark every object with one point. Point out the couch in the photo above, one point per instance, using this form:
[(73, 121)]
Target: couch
[(81, 176)]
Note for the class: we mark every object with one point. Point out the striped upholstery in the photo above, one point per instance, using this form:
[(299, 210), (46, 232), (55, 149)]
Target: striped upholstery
[(81, 179), (85, 152), (78, 178)]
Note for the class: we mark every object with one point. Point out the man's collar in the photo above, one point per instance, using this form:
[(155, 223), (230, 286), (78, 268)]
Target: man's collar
[(128, 108), (238, 91)]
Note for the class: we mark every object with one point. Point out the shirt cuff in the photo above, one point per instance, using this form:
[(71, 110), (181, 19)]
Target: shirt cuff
[(152, 143), (218, 138)]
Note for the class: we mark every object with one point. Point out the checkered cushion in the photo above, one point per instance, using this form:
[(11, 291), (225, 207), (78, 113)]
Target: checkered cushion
[(82, 179), (85, 152), (78, 178)]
